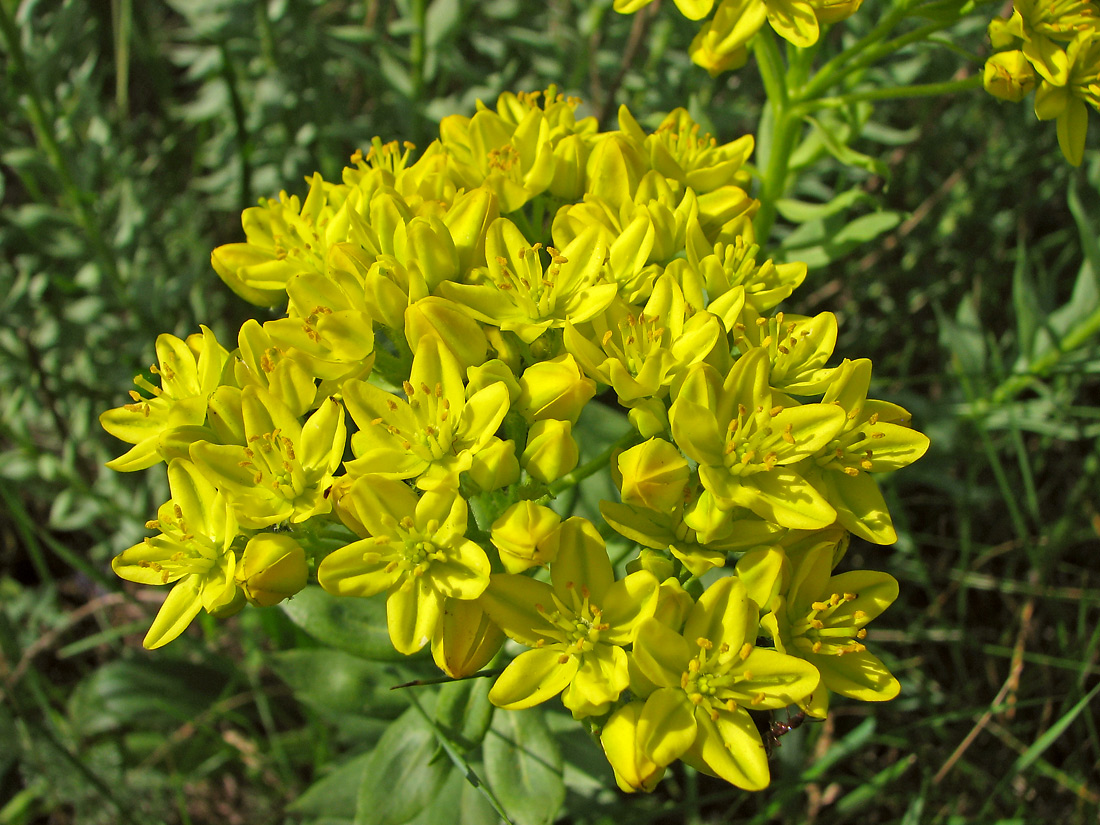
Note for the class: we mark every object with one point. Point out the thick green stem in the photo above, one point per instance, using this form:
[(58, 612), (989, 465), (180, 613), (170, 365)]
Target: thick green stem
[(417, 48), (785, 126), (896, 92), (835, 68)]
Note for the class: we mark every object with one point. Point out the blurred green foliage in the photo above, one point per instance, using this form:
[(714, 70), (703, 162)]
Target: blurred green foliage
[(954, 243)]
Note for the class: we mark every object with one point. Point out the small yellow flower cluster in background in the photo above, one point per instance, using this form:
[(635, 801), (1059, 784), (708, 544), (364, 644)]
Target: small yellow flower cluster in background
[(1053, 47), (722, 42), (413, 429)]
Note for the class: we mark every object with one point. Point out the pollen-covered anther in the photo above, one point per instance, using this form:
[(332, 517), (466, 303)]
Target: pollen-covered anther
[(861, 633), (696, 698), (878, 435), (758, 699), (851, 471), (776, 410), (747, 675), (407, 523), (873, 419), (820, 606), (866, 464), (705, 644), (816, 648), (770, 460), (731, 705), (817, 624), (713, 715), (745, 650)]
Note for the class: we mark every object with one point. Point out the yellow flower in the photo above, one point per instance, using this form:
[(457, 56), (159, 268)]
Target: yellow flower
[(416, 551), (705, 681), (1042, 25), (680, 151), (746, 448), (190, 372), (193, 550), (875, 438), (520, 150), (641, 353), (577, 626), (284, 469), (431, 434), (518, 292), (822, 619), (1066, 101)]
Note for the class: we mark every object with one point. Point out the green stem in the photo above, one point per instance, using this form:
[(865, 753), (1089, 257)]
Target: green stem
[(47, 142), (834, 69), (919, 90), (785, 128), (417, 50)]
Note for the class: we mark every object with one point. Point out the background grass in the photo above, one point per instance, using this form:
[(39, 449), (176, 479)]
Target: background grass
[(132, 134)]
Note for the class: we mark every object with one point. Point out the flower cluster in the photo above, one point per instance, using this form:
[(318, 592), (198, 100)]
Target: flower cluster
[(410, 425), (723, 40), (1053, 48)]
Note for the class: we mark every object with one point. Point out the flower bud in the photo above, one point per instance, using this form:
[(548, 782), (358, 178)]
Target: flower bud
[(554, 389), (832, 11), (551, 450), (445, 319), (465, 638), (519, 534), (1009, 76), (707, 519), (427, 244), (495, 466), (468, 220), (634, 771), (656, 563), (649, 417), (482, 375), (673, 604), (231, 604), (1002, 33), (272, 568), (654, 475)]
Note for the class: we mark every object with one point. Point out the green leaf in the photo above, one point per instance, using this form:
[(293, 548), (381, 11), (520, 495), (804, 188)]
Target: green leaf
[(523, 766), (335, 794), (145, 693), (336, 682), (838, 148), (875, 788), (816, 246), (356, 626), (1025, 301), (801, 212), (464, 711), (1028, 757), (458, 803), (964, 339), (1085, 230), (402, 777)]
